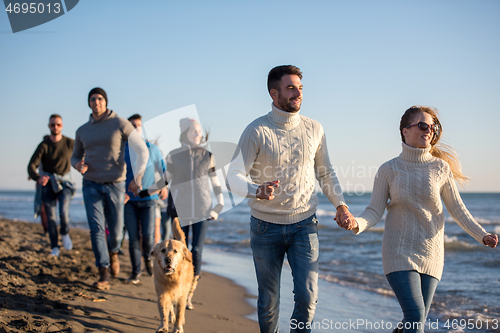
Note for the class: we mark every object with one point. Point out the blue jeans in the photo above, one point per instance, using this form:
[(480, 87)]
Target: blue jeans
[(199, 233), (104, 205), (414, 292), (50, 199), (140, 218), (270, 242)]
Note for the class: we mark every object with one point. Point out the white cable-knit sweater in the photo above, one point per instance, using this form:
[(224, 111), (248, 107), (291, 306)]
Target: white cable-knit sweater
[(414, 183), (290, 148)]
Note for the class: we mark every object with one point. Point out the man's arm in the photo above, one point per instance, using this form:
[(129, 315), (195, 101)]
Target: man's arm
[(241, 164), (35, 162), (329, 183), (78, 153), (139, 165)]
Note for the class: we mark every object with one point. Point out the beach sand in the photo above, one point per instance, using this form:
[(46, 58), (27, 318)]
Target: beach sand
[(39, 293)]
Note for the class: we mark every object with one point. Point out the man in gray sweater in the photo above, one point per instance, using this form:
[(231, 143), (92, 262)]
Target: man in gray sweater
[(284, 153), (98, 154)]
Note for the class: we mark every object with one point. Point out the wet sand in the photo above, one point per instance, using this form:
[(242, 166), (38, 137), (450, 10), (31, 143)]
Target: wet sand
[(39, 293)]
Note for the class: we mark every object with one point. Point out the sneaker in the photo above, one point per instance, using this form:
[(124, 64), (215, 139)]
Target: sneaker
[(54, 252), (149, 266), (134, 278), (67, 243)]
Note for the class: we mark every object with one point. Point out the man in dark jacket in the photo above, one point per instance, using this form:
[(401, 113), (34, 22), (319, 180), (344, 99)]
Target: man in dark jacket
[(54, 177)]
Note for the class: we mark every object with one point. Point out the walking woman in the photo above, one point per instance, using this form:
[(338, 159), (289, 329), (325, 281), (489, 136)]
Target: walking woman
[(190, 169), (411, 187)]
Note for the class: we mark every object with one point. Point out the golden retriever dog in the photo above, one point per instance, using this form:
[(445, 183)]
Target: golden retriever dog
[(173, 277)]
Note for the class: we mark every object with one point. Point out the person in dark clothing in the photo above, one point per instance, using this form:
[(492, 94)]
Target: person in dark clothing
[(54, 154)]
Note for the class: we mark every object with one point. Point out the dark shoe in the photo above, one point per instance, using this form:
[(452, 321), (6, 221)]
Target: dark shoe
[(114, 264), (103, 282), (149, 266), (134, 278)]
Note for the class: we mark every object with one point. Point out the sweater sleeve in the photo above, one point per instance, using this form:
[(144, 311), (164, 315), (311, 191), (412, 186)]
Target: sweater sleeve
[(459, 212), (140, 159), (378, 201), (35, 162), (78, 151), (237, 180), (326, 175), (216, 186)]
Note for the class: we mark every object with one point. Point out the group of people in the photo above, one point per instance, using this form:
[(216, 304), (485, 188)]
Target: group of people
[(116, 164), (280, 157)]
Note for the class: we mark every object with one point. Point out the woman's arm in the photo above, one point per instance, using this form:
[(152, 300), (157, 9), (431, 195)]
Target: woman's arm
[(459, 212), (378, 201), (217, 188)]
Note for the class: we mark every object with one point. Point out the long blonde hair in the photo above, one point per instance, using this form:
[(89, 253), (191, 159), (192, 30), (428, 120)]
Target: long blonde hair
[(438, 149)]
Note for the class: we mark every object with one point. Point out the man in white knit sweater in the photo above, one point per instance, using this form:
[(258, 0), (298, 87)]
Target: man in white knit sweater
[(284, 152)]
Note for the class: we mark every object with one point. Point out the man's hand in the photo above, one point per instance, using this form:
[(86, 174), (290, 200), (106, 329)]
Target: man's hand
[(43, 180), (266, 190), (490, 240), (127, 198), (81, 167), (345, 219)]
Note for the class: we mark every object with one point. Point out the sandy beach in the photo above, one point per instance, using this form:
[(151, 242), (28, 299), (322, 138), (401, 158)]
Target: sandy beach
[(44, 294)]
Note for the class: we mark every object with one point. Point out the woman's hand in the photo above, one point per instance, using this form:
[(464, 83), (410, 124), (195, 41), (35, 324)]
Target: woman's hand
[(491, 240)]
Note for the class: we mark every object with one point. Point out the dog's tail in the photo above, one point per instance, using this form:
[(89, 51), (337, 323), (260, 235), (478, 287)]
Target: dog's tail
[(177, 231)]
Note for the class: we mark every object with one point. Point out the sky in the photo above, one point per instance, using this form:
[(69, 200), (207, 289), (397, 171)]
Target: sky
[(364, 63)]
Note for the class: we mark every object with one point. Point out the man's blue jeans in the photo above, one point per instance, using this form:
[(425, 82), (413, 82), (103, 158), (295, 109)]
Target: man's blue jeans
[(50, 199), (270, 242), (140, 218), (199, 233), (414, 292), (104, 205)]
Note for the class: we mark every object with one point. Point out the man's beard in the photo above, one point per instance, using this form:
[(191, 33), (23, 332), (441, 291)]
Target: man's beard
[(54, 133), (287, 106)]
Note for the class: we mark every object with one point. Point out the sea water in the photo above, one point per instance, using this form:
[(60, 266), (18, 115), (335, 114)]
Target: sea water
[(354, 293)]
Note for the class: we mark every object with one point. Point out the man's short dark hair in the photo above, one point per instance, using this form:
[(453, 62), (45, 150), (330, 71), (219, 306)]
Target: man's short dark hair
[(275, 75), (135, 117), (55, 115)]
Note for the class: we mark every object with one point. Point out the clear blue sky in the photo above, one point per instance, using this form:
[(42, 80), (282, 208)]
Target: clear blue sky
[(364, 64)]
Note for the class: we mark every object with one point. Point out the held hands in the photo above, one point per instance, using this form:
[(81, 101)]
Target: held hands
[(81, 167), (491, 240), (345, 219), (43, 180), (266, 190)]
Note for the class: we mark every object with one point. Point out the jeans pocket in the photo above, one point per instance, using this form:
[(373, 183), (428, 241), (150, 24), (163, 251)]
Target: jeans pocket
[(309, 222), (258, 226)]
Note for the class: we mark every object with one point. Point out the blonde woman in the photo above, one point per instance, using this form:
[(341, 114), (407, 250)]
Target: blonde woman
[(411, 187)]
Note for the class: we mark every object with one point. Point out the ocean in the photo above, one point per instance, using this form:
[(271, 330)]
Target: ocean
[(354, 293)]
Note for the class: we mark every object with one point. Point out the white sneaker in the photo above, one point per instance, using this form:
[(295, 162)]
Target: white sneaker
[(67, 243), (54, 252)]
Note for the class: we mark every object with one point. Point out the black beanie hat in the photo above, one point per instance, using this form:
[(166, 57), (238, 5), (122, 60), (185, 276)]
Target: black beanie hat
[(98, 91)]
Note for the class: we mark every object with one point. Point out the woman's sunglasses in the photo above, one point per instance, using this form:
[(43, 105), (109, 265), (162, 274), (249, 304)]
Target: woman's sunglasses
[(424, 127)]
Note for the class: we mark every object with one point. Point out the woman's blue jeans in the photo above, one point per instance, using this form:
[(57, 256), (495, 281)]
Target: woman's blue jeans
[(199, 233), (140, 218), (104, 205), (299, 241), (414, 292)]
